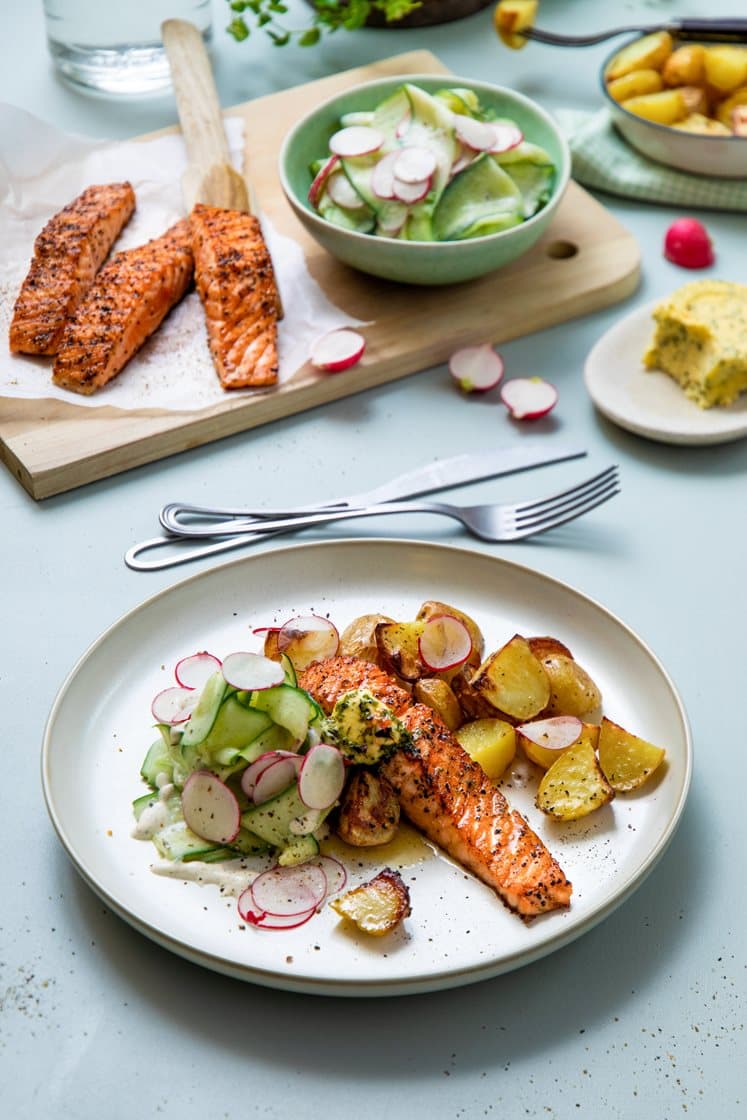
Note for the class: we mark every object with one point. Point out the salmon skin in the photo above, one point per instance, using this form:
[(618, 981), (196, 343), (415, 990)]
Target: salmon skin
[(236, 282), (130, 298), (68, 253), (449, 797)]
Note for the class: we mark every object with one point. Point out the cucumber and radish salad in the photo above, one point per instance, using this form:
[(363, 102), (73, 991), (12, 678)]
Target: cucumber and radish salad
[(430, 167)]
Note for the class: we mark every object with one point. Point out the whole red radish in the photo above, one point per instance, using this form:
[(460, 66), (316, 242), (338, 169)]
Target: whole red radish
[(688, 245)]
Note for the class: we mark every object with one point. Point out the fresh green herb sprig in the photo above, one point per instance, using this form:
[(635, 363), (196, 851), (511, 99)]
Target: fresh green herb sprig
[(326, 16)]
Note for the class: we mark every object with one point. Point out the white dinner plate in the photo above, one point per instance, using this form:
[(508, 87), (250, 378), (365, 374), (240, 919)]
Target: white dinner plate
[(100, 727), (649, 402)]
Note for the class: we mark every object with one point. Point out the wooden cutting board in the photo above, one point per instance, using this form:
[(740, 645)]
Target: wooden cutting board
[(586, 261)]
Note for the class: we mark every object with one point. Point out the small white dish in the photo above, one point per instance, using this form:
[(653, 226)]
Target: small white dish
[(649, 402)]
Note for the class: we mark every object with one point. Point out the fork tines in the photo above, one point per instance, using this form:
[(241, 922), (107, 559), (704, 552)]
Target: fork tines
[(546, 513)]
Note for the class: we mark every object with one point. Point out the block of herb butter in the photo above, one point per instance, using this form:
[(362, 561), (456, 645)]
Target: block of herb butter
[(701, 340)]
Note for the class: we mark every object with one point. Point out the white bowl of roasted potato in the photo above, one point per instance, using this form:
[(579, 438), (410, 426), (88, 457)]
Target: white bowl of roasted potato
[(682, 104)]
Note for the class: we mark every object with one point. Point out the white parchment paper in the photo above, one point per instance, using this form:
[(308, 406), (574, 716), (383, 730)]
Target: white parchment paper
[(42, 169)]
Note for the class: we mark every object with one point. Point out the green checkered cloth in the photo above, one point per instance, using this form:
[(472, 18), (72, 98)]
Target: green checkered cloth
[(603, 161)]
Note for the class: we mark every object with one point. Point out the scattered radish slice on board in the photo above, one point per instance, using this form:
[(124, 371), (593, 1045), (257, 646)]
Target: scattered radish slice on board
[(308, 638), (321, 777), (528, 398), (343, 193), (411, 192), (382, 176), (275, 778), (193, 672), (320, 179), (506, 137), (356, 140), (477, 135), (476, 368), (688, 245), (555, 733), (289, 890), (337, 350), (210, 808), (174, 705), (252, 672), (254, 771), (444, 643), (413, 165)]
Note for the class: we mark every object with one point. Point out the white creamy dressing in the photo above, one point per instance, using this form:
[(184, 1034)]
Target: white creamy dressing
[(155, 816), (232, 876)]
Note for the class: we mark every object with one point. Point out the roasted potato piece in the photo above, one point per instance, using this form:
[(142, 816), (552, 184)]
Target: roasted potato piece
[(474, 704), (574, 786), (513, 680), (270, 647), (665, 107), (544, 756), (724, 111), (684, 67), (705, 126), (358, 639), (572, 691), (378, 906), (634, 84), (489, 742), (725, 67), (626, 760), (439, 695), (432, 608), (546, 646), (648, 53), (397, 643), (695, 98), (369, 811), (513, 16)]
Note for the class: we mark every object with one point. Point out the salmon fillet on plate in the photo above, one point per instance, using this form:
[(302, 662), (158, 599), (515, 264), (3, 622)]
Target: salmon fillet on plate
[(448, 796), (68, 253)]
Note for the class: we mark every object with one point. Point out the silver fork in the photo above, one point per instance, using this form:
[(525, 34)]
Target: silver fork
[(495, 523), (702, 30)]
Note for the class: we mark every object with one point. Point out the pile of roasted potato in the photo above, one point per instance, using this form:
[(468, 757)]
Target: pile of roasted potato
[(501, 702), (688, 86)]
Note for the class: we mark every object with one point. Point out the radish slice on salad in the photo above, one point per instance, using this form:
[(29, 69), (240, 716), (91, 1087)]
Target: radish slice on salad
[(528, 398), (321, 777), (308, 638), (174, 705), (555, 733), (444, 643), (320, 179), (382, 176), (210, 808), (413, 165), (275, 778), (289, 890), (337, 350), (270, 921), (356, 140), (193, 672), (252, 672), (343, 193), (403, 125), (411, 192), (506, 137), (478, 135), (254, 771), (476, 368)]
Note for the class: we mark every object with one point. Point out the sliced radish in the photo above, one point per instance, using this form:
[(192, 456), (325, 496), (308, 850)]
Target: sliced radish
[(337, 350), (464, 159), (271, 921), (555, 733), (252, 672), (391, 218), (476, 368), (477, 135), (444, 643), (528, 398), (289, 890), (174, 705), (414, 164), (320, 179), (382, 176), (254, 771), (193, 672), (336, 874), (308, 638), (321, 777), (343, 193), (403, 125), (507, 136), (210, 808), (411, 192), (356, 140), (275, 778)]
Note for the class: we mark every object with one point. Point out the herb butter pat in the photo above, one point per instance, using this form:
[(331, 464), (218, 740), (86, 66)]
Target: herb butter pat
[(701, 341)]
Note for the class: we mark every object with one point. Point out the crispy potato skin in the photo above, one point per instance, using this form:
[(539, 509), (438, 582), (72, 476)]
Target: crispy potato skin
[(378, 906), (572, 691), (369, 813), (440, 696), (358, 639)]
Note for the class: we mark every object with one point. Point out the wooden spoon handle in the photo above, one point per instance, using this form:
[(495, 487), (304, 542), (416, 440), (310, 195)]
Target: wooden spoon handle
[(211, 178)]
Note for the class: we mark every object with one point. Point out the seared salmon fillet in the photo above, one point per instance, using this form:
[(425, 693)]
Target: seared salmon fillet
[(129, 299), (449, 797), (236, 282), (68, 253)]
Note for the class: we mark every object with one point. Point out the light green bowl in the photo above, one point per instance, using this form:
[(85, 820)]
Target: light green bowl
[(418, 262)]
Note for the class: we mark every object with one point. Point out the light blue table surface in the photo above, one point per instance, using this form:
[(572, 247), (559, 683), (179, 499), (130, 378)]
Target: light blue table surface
[(644, 1016)]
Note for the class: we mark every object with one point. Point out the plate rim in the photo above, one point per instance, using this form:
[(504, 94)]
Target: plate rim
[(649, 430), (434, 981)]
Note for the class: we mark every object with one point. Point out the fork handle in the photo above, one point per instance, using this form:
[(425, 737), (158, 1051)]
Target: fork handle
[(261, 528)]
